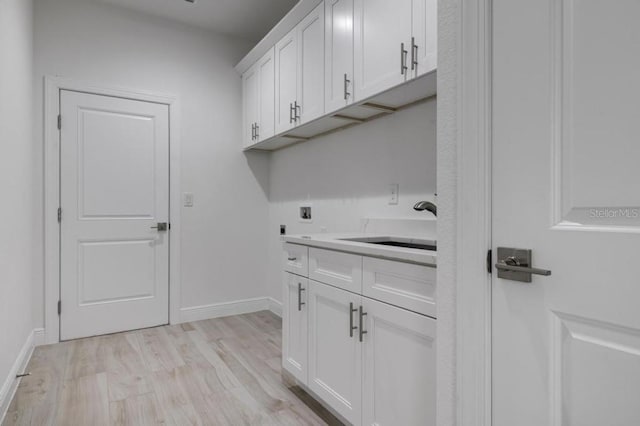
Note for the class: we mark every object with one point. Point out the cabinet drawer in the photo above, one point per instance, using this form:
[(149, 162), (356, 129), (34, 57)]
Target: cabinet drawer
[(338, 269), (402, 284), (296, 259)]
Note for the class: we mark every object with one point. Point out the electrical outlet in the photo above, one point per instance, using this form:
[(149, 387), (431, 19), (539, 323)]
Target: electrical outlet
[(188, 199), (283, 229), (394, 188), (305, 213)]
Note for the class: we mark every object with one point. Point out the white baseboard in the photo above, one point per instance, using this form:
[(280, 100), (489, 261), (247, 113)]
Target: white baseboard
[(217, 310), (10, 384), (275, 306), (39, 337)]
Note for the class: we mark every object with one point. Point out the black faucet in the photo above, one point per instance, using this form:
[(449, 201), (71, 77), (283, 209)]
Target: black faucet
[(426, 205)]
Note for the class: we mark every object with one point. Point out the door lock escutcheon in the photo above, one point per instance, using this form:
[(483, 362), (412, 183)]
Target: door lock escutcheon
[(161, 226), (515, 264)]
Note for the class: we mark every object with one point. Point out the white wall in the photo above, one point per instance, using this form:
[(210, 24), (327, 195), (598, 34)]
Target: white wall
[(346, 176), (19, 218), (106, 45)]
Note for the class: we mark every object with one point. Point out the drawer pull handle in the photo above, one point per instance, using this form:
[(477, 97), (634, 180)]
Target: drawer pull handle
[(292, 259), (362, 330), (300, 302), (351, 326)]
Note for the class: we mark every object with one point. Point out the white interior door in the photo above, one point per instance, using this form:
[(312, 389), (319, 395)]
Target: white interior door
[(566, 184), (114, 187)]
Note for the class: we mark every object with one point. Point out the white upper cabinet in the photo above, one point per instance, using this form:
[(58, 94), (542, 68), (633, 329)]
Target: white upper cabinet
[(425, 37), (258, 101), (311, 66), (338, 54), (382, 34), (250, 96), (267, 92), (286, 103), (342, 64)]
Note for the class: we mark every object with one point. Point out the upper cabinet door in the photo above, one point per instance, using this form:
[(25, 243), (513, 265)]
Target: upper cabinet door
[(424, 53), (267, 92), (338, 54), (382, 31), (250, 84), (311, 65), (286, 56)]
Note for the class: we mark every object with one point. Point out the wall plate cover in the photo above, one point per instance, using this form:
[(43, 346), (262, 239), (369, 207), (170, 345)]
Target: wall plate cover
[(305, 214)]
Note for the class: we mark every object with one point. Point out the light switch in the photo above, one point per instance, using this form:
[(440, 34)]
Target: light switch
[(188, 199)]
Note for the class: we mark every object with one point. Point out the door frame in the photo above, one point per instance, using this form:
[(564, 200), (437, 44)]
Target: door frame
[(52, 88), (464, 225)]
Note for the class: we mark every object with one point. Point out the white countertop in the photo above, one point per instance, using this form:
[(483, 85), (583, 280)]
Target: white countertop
[(336, 242)]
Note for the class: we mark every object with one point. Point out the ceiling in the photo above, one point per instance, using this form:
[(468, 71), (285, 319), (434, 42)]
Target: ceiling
[(247, 19)]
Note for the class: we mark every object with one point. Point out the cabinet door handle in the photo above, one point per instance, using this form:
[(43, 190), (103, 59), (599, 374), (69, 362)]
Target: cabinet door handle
[(403, 59), (257, 131), (253, 132), (292, 259), (346, 87), (290, 113), (351, 326), (300, 302), (414, 54), (296, 108), (362, 330)]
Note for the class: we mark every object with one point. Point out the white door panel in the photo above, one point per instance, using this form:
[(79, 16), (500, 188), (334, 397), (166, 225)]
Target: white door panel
[(380, 28), (266, 113), (425, 33), (339, 54), (311, 65), (250, 101), (566, 348), (114, 187), (335, 356), (294, 326), (286, 52), (399, 361)]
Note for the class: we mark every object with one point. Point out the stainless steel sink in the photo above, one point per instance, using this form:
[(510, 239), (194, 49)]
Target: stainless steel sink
[(397, 242)]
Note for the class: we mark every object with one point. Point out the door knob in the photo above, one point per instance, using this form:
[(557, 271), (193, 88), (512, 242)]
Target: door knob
[(515, 264), (161, 226)]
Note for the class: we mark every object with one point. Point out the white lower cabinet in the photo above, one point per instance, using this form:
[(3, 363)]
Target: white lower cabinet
[(399, 367), (373, 363), (295, 326), (335, 353)]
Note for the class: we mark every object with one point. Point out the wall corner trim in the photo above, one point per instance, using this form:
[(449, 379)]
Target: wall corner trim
[(10, 385)]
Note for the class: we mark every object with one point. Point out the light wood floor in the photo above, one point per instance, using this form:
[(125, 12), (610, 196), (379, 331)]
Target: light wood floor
[(223, 371)]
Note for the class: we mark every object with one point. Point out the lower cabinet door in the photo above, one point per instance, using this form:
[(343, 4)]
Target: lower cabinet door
[(335, 352), (399, 362), (294, 326)]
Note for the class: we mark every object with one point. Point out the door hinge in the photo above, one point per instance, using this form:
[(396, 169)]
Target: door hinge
[(59, 307), (59, 214), (59, 122), (489, 260)]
